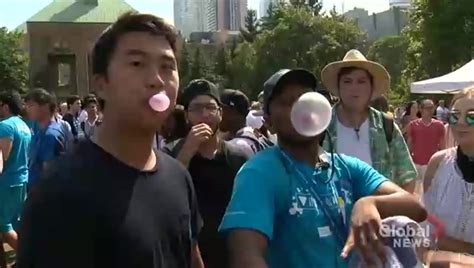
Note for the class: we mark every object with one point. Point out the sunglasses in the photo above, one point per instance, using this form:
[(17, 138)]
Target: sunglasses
[(454, 117)]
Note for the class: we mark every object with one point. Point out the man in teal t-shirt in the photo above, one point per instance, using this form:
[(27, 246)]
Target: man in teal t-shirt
[(294, 205), (15, 138)]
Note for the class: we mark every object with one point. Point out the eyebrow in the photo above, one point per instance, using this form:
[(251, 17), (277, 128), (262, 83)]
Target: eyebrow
[(138, 52)]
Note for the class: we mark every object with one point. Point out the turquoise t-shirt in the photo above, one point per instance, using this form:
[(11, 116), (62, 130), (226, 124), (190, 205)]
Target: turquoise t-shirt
[(15, 169), (271, 197)]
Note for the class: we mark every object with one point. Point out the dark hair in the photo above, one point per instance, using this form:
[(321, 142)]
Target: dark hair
[(101, 103), (89, 100), (71, 100), (181, 127), (408, 108), (42, 97), (380, 103), (13, 100), (128, 22), (348, 70)]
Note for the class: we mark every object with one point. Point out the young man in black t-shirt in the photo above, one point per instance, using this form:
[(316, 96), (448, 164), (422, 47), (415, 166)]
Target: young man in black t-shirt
[(114, 201), (212, 163)]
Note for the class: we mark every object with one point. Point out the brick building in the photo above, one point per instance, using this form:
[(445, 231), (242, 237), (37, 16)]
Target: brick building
[(59, 39)]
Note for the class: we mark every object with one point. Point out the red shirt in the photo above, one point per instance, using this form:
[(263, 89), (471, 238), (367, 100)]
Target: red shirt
[(425, 139)]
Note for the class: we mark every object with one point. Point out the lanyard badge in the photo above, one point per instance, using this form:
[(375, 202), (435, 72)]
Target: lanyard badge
[(337, 224)]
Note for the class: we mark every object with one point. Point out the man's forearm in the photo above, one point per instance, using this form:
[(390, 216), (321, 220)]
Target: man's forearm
[(409, 186), (399, 203), (455, 245)]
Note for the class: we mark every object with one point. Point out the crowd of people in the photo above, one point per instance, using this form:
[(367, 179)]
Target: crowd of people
[(217, 180)]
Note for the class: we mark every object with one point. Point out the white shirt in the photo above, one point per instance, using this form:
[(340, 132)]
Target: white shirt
[(442, 113), (349, 144)]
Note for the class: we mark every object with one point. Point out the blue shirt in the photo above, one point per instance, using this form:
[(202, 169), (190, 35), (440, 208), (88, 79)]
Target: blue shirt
[(46, 145), (271, 197), (15, 169)]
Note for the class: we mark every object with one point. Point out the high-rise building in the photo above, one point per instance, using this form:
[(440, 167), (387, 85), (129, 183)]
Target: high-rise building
[(237, 14), (265, 4), (190, 16), (225, 14)]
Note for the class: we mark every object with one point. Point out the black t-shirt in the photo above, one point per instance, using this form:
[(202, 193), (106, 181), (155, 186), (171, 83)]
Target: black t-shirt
[(213, 180), (95, 211)]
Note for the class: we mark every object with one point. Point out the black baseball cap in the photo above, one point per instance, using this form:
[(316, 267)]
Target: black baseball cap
[(278, 80), (237, 100), (199, 87)]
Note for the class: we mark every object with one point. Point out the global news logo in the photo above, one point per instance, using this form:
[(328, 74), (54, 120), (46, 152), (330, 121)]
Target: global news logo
[(413, 234)]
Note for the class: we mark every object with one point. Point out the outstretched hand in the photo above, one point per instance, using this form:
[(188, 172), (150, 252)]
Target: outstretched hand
[(365, 232)]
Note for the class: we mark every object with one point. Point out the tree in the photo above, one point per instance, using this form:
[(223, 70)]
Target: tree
[(184, 65), (13, 62), (196, 66), (440, 37), (299, 39), (391, 52), (251, 26)]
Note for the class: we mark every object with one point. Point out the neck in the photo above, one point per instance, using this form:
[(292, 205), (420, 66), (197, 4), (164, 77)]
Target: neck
[(92, 118), (45, 121), (209, 148), (468, 150), (134, 148), (238, 126), (350, 117), (307, 152), (426, 119)]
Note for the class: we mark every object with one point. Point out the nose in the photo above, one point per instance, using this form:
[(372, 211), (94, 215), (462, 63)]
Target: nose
[(155, 81)]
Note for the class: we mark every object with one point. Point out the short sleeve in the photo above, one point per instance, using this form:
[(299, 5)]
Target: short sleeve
[(252, 205), (365, 179), (6, 131)]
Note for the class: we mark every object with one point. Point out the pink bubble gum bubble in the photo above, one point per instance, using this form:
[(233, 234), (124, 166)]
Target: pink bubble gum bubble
[(309, 119), (159, 102)]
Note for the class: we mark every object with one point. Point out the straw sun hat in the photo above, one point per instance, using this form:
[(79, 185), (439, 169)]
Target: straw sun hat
[(354, 58)]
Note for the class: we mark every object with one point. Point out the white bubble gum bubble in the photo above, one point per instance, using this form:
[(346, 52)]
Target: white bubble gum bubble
[(311, 114), (159, 102)]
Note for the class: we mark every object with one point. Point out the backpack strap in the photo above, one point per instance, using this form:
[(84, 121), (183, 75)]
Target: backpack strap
[(388, 122)]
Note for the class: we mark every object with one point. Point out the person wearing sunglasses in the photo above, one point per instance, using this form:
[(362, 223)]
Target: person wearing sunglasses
[(449, 180)]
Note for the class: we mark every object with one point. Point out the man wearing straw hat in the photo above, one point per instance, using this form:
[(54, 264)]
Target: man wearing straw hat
[(357, 129)]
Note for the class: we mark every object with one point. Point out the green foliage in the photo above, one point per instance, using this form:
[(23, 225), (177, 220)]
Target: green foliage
[(441, 37), (391, 52), (251, 26), (298, 39), (13, 62)]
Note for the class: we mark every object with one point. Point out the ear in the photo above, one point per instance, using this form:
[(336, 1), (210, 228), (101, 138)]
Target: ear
[(100, 84), (267, 122)]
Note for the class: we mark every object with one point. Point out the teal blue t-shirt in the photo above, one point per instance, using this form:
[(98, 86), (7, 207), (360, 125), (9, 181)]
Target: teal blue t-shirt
[(269, 196), (15, 169)]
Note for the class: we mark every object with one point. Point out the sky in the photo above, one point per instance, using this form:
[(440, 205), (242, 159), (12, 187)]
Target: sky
[(15, 12)]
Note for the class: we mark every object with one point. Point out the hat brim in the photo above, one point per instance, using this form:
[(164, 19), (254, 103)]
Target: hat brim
[(381, 82)]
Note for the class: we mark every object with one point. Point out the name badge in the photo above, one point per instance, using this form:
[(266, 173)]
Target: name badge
[(324, 231)]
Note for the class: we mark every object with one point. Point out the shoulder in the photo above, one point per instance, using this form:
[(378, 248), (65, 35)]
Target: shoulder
[(436, 159), (268, 160), (54, 130), (438, 123), (7, 125), (352, 165), (167, 163)]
